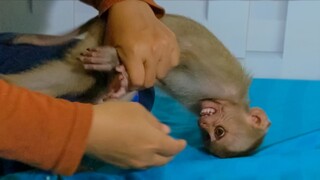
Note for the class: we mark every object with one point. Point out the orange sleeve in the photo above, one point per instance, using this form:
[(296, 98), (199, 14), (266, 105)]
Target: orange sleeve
[(103, 5), (42, 131)]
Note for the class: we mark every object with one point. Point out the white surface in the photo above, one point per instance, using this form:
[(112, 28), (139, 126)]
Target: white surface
[(229, 21), (273, 39)]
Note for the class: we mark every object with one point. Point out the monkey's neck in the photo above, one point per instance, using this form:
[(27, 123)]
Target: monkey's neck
[(192, 81)]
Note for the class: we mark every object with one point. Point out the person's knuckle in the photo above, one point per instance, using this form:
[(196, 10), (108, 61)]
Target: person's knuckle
[(136, 105), (139, 164), (175, 62), (175, 57), (161, 74), (149, 83), (138, 82), (139, 47)]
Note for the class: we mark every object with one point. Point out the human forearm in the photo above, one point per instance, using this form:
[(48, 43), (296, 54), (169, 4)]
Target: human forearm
[(42, 131)]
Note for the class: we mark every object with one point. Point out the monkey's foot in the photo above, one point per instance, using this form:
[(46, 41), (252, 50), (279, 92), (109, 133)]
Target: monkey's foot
[(119, 86)]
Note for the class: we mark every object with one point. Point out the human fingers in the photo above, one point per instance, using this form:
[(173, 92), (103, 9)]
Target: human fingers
[(159, 160), (135, 70), (153, 121), (170, 147), (150, 67)]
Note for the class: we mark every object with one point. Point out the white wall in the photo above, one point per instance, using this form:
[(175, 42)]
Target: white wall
[(273, 39)]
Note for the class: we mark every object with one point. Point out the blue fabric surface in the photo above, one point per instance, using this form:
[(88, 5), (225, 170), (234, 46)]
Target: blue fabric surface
[(291, 149)]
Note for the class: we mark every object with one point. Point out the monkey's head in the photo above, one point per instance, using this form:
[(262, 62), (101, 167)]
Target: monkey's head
[(231, 130)]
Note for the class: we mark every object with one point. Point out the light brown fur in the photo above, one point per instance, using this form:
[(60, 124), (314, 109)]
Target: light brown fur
[(207, 71)]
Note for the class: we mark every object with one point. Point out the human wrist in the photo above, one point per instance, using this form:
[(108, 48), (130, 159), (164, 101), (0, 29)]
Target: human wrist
[(102, 116), (91, 135), (104, 6), (129, 6)]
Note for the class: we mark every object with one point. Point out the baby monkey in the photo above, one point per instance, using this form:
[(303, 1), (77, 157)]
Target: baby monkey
[(209, 81)]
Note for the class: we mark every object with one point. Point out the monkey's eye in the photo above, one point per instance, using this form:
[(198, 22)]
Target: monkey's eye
[(219, 132)]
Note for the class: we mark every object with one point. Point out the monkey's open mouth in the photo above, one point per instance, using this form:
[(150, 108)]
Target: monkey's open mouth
[(208, 107), (208, 111)]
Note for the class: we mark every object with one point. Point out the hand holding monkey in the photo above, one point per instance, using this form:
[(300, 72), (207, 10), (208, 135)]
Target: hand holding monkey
[(146, 47), (128, 140)]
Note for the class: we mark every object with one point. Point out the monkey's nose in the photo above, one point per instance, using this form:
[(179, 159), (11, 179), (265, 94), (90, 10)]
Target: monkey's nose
[(205, 123)]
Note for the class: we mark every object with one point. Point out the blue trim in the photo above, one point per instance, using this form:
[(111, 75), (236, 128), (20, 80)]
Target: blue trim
[(146, 98)]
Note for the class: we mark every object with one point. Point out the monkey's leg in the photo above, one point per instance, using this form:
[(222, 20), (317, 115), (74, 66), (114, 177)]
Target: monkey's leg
[(41, 40), (49, 40), (55, 78)]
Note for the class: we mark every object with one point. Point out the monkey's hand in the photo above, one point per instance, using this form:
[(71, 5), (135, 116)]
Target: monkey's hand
[(103, 58)]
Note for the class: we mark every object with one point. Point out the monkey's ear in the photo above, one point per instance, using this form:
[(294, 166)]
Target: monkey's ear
[(259, 119)]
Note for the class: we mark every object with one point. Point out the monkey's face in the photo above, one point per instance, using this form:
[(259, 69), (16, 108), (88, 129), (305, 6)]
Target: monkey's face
[(229, 129)]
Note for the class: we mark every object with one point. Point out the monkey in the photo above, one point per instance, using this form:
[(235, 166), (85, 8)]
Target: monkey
[(209, 81)]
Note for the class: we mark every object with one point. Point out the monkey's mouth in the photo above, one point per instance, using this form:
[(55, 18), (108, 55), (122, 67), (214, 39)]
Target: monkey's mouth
[(208, 108), (207, 111)]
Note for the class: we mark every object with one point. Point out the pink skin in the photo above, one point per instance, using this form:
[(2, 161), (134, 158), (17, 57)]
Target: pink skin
[(123, 83), (102, 59)]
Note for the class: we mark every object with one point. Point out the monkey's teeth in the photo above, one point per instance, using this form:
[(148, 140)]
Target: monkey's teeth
[(207, 111)]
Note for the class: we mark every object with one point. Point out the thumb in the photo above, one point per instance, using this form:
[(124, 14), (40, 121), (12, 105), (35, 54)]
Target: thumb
[(135, 70), (170, 146)]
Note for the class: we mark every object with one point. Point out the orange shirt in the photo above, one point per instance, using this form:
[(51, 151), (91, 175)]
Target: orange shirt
[(42, 131), (103, 5)]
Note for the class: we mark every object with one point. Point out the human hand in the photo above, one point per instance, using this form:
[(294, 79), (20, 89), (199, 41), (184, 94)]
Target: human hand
[(127, 135), (147, 48)]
